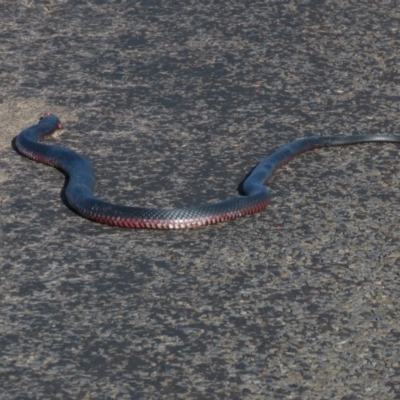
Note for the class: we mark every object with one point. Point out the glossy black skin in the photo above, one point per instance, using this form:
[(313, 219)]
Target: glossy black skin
[(79, 191)]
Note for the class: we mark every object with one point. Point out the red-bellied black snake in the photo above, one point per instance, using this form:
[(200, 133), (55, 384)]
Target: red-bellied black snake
[(81, 180)]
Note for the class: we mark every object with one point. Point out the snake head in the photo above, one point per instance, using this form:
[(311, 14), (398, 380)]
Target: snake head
[(59, 125)]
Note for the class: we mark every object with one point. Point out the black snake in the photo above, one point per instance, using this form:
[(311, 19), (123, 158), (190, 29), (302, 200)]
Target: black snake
[(79, 189)]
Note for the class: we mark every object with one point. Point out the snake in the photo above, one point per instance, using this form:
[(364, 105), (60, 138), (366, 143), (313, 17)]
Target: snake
[(79, 191)]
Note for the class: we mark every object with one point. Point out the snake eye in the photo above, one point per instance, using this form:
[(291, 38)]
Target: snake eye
[(44, 116)]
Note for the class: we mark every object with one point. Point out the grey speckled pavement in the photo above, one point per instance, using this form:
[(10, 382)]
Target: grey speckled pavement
[(173, 103)]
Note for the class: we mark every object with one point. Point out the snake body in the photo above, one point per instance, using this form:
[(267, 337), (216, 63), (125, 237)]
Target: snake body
[(80, 186)]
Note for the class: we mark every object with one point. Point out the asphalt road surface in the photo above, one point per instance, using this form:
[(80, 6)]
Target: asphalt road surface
[(173, 102)]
